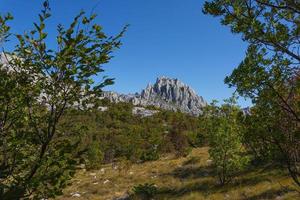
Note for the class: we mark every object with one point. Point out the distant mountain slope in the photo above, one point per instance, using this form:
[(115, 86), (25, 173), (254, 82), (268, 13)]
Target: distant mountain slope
[(165, 93)]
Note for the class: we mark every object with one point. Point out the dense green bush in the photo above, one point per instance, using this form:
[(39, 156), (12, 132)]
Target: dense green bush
[(225, 133), (150, 155), (94, 156), (180, 143), (120, 134), (144, 191)]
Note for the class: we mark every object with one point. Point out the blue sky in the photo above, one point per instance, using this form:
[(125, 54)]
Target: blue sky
[(166, 37)]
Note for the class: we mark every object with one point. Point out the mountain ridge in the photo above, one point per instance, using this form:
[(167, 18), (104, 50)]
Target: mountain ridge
[(166, 93)]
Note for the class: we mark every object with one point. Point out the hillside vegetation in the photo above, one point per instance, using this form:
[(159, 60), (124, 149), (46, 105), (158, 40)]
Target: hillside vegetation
[(55, 140), (118, 134), (190, 178)]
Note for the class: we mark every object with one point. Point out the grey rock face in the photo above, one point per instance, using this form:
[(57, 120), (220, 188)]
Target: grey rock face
[(143, 112), (166, 93), (4, 62)]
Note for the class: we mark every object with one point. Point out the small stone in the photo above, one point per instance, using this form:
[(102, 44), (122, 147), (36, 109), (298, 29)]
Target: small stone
[(115, 167), (82, 166), (75, 194), (131, 173), (124, 197), (102, 108), (209, 161)]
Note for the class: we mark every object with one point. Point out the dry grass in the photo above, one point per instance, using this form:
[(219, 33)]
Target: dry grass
[(187, 178)]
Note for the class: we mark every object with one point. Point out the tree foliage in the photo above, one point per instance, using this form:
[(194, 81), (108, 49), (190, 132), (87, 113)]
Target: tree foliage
[(38, 84), (269, 74), (225, 139), (121, 135), (4, 28)]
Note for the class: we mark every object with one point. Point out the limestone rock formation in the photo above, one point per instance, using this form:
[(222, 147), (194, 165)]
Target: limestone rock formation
[(166, 93), (143, 112)]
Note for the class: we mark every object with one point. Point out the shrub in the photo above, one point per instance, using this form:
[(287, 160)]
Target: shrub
[(124, 165), (225, 140), (180, 142), (194, 138), (145, 191), (94, 156), (150, 154)]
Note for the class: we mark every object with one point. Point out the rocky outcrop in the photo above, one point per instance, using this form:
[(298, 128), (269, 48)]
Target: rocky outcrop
[(143, 112), (165, 93), (172, 94)]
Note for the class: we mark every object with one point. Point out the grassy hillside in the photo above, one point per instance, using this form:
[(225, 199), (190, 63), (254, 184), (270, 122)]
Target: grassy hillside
[(189, 178)]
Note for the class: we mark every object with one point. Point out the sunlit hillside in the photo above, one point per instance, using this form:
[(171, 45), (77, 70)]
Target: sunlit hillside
[(189, 178), (150, 100)]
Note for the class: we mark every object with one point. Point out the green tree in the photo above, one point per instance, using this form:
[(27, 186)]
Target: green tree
[(12, 109), (37, 159), (94, 156), (269, 74), (225, 135), (4, 28)]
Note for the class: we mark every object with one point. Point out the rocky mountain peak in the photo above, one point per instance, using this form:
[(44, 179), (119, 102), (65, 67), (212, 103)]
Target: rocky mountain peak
[(166, 93), (173, 94), (171, 89)]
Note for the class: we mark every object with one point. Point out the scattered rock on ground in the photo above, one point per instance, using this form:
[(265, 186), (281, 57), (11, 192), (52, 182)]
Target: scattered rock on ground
[(124, 197), (82, 166), (209, 161), (102, 170), (75, 194)]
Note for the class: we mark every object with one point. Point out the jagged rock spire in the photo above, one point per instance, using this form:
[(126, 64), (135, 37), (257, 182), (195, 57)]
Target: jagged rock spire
[(165, 93)]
